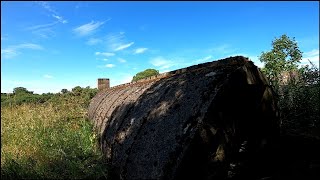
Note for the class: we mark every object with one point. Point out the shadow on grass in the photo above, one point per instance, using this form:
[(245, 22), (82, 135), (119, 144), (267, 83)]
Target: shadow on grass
[(86, 167)]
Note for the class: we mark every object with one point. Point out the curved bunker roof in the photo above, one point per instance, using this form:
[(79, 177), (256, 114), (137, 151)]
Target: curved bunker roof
[(182, 123)]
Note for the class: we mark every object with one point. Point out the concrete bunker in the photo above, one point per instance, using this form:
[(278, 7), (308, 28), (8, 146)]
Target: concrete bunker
[(196, 122)]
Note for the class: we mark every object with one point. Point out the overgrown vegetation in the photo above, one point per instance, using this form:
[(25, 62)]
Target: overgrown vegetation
[(49, 136), (298, 88), (144, 74)]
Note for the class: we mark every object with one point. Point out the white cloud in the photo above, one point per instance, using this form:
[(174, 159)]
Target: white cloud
[(140, 50), (124, 46), (109, 65), (314, 52), (53, 12), (105, 59), (122, 60), (94, 41), (106, 54), (202, 60), (117, 42), (13, 51), (43, 30), (222, 49), (313, 56), (36, 27), (88, 28), (9, 53), (44, 33), (161, 62), (28, 46), (47, 76), (47, 7), (60, 19)]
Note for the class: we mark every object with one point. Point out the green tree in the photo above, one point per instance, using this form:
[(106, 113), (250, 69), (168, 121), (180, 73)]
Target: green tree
[(144, 74), (283, 57), (298, 93), (64, 91), (77, 90), (21, 90)]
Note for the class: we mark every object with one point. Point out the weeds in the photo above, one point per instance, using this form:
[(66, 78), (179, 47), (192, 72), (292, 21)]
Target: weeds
[(49, 140)]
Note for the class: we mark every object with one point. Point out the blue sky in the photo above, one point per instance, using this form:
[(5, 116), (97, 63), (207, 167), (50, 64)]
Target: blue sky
[(48, 46)]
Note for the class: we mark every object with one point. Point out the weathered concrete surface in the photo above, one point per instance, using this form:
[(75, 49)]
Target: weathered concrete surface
[(196, 122)]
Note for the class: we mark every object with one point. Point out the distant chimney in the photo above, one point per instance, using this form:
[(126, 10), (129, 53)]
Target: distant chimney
[(103, 83)]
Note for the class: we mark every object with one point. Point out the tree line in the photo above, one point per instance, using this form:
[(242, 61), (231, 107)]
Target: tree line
[(21, 95), (297, 87)]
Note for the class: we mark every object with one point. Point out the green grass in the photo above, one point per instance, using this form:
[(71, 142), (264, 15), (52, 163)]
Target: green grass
[(49, 140)]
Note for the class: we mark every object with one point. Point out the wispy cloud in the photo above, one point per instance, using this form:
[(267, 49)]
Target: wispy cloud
[(106, 54), (9, 53), (110, 65), (106, 66), (43, 30), (124, 46), (47, 76), (314, 52), (117, 41), (46, 30), (122, 60), (44, 33), (162, 63), (202, 60), (88, 28), (140, 50), (47, 7), (312, 56), (13, 51), (222, 50), (41, 26), (53, 12), (60, 19), (28, 46), (94, 41)]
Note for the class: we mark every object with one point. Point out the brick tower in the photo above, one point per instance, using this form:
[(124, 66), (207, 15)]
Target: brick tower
[(103, 83)]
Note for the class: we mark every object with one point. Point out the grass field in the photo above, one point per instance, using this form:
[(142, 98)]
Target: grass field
[(49, 140)]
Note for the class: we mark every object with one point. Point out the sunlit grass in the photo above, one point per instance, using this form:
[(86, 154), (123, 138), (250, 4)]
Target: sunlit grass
[(49, 141)]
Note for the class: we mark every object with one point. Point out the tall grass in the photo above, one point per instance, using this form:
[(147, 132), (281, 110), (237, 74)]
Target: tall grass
[(50, 140)]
